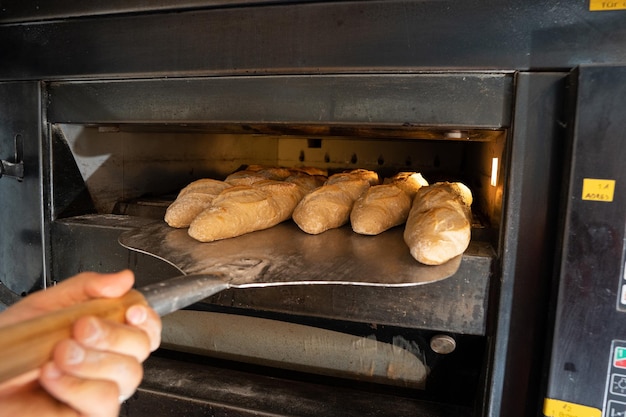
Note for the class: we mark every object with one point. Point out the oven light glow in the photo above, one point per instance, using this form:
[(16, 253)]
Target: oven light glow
[(494, 172)]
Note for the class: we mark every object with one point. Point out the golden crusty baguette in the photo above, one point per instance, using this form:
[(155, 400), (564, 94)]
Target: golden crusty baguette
[(409, 182), (356, 174), (438, 227), (205, 186), (192, 200), (384, 206), (314, 171), (381, 207), (239, 210), (184, 209), (243, 209), (256, 173), (329, 206), (306, 182)]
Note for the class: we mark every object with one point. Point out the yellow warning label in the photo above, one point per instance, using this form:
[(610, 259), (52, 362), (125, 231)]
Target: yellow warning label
[(598, 190), (600, 5), (558, 408)]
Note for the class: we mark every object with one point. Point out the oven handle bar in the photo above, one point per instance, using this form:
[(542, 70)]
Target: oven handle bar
[(28, 345)]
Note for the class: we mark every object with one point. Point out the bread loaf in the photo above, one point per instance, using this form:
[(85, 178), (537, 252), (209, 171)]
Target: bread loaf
[(329, 206), (378, 209), (314, 171), (192, 200), (438, 227), (307, 183), (409, 182), (204, 186), (356, 174), (256, 173), (384, 206), (243, 209)]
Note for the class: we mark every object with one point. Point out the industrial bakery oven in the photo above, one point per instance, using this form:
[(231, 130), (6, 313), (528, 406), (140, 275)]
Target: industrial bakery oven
[(108, 111)]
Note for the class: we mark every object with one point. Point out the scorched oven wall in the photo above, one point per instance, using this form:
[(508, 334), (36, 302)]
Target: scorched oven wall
[(106, 110)]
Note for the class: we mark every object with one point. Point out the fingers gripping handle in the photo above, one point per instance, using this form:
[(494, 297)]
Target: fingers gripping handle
[(29, 344)]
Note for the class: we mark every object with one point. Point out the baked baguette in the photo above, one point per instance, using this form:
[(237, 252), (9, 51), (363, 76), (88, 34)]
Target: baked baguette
[(243, 209), (384, 206), (256, 173), (192, 200), (307, 183), (356, 174), (438, 227), (205, 186), (409, 182), (329, 206), (309, 170), (380, 208)]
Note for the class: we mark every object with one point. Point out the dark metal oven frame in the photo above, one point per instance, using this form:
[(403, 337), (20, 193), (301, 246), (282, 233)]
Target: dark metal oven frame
[(493, 65)]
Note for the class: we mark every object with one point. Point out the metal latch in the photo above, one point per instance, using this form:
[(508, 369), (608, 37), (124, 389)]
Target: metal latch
[(14, 169)]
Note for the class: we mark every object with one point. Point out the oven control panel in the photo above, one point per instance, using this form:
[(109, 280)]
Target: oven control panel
[(588, 358), (615, 392)]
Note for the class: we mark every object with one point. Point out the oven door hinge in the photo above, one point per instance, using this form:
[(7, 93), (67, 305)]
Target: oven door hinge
[(14, 169)]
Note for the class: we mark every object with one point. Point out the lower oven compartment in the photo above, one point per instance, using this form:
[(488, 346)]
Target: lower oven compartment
[(319, 349)]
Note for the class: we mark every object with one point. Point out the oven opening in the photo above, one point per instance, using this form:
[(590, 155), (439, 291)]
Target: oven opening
[(420, 342), (138, 170)]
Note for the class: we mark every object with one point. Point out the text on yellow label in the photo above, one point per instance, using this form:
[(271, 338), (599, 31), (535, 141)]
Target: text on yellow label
[(598, 189)]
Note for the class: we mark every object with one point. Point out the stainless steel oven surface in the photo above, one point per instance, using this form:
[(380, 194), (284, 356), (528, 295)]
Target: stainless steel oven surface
[(108, 111)]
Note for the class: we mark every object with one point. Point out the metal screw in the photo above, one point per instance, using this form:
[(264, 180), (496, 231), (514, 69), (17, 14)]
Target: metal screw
[(442, 344)]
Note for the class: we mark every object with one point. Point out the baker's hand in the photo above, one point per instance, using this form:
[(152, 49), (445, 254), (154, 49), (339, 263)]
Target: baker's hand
[(94, 371)]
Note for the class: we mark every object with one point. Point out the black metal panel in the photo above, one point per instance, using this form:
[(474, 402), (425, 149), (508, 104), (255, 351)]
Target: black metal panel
[(316, 37), (431, 99), (529, 234), (590, 315), (21, 253), (14, 11)]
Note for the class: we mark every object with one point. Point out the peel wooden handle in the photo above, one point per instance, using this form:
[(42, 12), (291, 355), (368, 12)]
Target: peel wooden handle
[(29, 344)]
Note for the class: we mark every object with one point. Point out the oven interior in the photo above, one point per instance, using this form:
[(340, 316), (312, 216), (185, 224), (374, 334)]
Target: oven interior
[(427, 342), (123, 168)]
